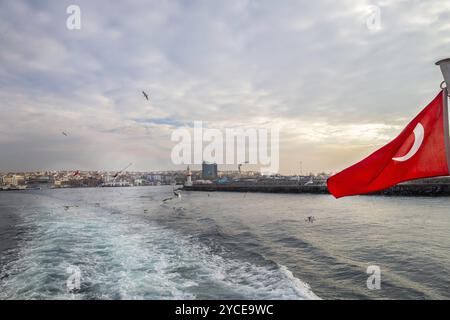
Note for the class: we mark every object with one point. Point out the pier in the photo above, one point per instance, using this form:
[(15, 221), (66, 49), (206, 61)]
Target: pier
[(418, 188)]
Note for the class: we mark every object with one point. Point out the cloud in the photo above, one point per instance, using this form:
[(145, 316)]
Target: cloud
[(312, 68)]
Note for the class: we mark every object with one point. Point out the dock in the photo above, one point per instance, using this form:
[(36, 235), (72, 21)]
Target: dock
[(404, 189)]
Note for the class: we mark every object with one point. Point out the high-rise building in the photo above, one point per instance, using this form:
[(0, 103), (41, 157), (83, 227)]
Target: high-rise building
[(209, 170)]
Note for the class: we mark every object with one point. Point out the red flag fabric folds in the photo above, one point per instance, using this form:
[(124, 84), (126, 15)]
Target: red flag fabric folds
[(419, 151)]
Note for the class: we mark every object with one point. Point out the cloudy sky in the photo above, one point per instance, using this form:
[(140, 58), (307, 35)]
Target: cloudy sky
[(336, 88)]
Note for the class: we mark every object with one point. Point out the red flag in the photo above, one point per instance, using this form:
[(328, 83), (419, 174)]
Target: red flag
[(419, 151)]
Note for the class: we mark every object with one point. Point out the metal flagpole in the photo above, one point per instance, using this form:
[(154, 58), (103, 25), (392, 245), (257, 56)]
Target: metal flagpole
[(445, 69), (446, 131)]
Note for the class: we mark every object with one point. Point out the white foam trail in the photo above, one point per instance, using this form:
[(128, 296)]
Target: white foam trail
[(122, 256), (300, 286)]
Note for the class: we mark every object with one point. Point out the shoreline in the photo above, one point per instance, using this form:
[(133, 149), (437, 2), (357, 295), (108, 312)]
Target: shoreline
[(405, 189), (78, 187), (409, 189)]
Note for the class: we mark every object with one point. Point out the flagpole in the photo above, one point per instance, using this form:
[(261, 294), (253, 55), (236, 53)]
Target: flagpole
[(445, 69), (446, 130)]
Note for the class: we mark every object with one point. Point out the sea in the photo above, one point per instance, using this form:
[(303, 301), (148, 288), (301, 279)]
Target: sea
[(127, 243)]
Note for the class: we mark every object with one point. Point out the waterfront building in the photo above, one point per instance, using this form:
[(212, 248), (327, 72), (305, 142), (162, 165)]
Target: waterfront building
[(209, 170)]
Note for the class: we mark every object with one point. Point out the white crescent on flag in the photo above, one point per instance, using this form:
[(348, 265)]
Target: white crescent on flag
[(419, 133)]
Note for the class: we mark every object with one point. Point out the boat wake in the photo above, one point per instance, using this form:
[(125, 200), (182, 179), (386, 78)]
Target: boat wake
[(127, 256)]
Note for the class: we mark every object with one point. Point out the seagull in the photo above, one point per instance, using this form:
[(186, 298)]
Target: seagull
[(311, 181), (64, 133), (145, 94), (310, 219), (68, 207), (117, 173), (176, 193)]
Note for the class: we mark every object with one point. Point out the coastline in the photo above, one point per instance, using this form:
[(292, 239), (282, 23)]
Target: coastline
[(407, 189), (415, 188)]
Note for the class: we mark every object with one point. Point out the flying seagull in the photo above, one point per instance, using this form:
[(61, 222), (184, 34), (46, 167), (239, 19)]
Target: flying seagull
[(117, 173), (68, 207), (310, 181), (64, 133), (145, 94), (310, 219), (176, 193)]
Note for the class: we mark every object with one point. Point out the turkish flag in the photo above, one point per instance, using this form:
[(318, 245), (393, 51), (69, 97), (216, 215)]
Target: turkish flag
[(419, 151)]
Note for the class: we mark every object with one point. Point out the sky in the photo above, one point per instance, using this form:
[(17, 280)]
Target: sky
[(335, 86)]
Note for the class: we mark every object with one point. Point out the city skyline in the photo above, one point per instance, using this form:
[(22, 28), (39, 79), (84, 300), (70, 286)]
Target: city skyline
[(337, 89)]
